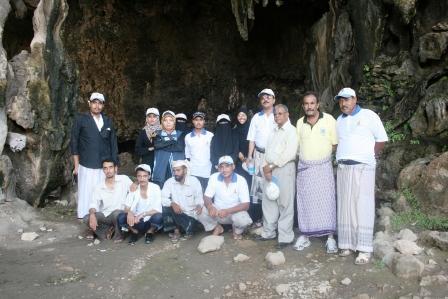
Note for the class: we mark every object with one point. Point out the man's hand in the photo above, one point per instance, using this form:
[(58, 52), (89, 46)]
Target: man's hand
[(131, 219), (133, 187), (198, 210), (176, 208), (223, 213), (93, 224), (75, 170), (212, 211), (267, 171)]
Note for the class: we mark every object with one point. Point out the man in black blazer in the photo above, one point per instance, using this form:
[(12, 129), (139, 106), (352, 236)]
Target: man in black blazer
[(93, 140)]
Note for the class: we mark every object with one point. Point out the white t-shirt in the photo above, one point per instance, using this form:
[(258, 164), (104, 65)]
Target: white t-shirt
[(107, 200), (227, 196), (187, 195), (357, 136), (138, 204), (197, 149), (260, 127)]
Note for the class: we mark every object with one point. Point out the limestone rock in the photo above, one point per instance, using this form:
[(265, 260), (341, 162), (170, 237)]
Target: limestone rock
[(435, 238), (282, 289), (275, 258), (16, 141), (240, 258), (407, 234), (242, 286), (432, 46), (210, 243), (30, 236), (434, 280), (381, 248), (407, 247), (385, 211), (346, 281), (407, 266)]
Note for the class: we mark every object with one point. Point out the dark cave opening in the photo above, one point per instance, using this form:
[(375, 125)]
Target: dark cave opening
[(18, 34)]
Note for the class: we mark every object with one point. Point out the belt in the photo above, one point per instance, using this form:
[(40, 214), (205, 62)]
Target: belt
[(259, 149), (349, 162)]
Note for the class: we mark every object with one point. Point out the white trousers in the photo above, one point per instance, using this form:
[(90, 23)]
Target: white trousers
[(88, 179), (239, 220)]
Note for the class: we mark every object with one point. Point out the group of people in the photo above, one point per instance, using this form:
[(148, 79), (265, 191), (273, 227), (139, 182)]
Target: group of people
[(244, 175)]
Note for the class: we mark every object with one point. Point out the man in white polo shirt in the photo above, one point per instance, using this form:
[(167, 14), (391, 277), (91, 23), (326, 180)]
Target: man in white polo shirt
[(361, 138), (261, 125), (107, 202), (197, 149), (226, 200)]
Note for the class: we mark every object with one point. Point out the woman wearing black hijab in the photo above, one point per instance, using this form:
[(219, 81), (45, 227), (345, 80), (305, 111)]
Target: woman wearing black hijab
[(224, 142), (240, 130)]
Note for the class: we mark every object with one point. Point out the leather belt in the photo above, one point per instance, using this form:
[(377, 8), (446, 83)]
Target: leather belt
[(349, 162)]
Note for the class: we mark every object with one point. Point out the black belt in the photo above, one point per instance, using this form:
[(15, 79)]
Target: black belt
[(259, 149), (349, 162)]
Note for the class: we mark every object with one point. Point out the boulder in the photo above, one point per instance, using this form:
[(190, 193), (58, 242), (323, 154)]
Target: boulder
[(431, 280), (275, 258), (407, 266), (432, 46), (381, 248), (240, 258), (435, 239), (30, 236), (210, 243), (407, 234), (407, 247)]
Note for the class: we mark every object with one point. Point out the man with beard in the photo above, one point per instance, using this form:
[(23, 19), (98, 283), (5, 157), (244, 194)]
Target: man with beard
[(182, 200), (316, 197)]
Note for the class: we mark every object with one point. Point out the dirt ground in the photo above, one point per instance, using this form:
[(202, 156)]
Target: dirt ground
[(59, 264)]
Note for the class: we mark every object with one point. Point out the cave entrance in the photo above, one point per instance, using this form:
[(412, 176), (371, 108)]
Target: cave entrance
[(18, 33)]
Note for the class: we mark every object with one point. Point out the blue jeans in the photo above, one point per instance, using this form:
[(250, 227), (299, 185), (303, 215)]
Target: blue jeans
[(142, 226)]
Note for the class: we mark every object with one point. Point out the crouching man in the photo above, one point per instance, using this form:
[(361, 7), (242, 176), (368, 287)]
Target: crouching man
[(182, 200), (230, 203), (143, 208), (107, 202)]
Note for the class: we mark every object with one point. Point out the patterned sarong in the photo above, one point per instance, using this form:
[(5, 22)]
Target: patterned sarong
[(316, 202), (356, 206)]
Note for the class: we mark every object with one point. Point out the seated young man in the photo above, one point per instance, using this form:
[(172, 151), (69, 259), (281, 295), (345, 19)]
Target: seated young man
[(230, 203), (182, 200), (143, 208), (107, 202)]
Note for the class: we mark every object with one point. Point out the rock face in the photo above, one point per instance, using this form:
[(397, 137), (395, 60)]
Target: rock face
[(435, 238), (427, 178)]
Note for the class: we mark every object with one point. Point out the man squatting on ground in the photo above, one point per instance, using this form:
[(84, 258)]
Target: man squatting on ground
[(143, 208), (230, 196), (279, 161), (361, 138), (182, 200), (107, 202), (316, 194), (93, 139)]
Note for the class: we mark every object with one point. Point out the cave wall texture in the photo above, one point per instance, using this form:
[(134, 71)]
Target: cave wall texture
[(171, 54)]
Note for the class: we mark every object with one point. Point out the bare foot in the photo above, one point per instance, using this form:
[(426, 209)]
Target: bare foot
[(218, 230)]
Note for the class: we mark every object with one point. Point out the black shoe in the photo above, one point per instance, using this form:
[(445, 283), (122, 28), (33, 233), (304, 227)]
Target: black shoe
[(149, 238), (132, 239), (260, 238), (281, 245)]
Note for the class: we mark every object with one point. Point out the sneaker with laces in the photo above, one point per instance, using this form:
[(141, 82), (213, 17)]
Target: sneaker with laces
[(301, 243), (331, 245)]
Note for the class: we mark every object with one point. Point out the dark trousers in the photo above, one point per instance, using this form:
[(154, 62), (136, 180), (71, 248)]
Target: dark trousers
[(141, 226), (104, 223), (187, 223)]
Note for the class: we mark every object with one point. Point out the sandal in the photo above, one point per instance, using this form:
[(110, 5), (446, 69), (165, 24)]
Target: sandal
[(345, 252), (362, 258), (110, 232), (89, 235), (301, 243)]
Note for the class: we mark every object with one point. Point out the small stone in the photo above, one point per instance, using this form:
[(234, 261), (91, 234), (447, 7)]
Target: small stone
[(430, 252), (227, 287), (29, 236), (90, 244), (51, 239), (49, 229), (43, 228), (20, 231), (282, 289), (248, 282), (309, 255), (346, 281), (407, 234), (229, 294), (240, 258), (432, 262), (275, 259), (407, 247), (206, 291), (333, 281), (425, 292), (362, 296), (80, 237), (210, 243), (242, 286), (96, 242), (334, 272)]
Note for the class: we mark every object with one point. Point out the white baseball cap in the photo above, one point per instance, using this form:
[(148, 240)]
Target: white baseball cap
[(181, 115), (346, 93), (145, 167), (97, 96), (222, 116), (226, 160), (168, 112), (153, 111), (267, 91)]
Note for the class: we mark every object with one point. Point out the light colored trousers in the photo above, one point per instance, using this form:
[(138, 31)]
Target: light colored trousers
[(88, 179), (279, 214), (239, 220)]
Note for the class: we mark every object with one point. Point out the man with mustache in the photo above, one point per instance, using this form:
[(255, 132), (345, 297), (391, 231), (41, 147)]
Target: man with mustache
[(361, 139), (261, 125), (316, 198)]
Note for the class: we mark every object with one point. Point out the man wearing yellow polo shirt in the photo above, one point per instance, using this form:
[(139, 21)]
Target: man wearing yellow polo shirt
[(316, 201)]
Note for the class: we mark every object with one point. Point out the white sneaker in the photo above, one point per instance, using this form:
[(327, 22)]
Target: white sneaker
[(331, 245), (301, 243)]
